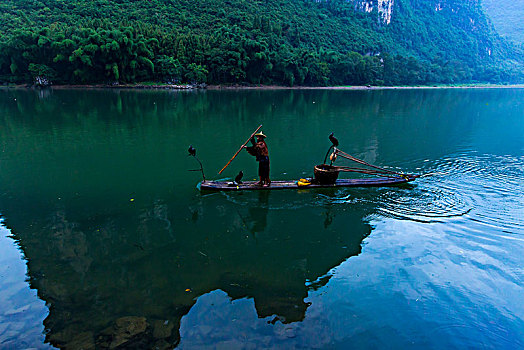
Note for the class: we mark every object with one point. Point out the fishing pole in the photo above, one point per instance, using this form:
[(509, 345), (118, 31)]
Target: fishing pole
[(240, 149)]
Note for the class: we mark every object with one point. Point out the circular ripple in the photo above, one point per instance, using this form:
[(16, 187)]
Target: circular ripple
[(487, 189), (423, 204)]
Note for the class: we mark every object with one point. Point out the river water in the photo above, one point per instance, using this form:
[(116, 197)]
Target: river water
[(108, 243)]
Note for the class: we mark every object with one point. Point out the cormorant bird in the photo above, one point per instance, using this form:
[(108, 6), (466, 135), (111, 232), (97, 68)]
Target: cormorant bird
[(238, 179), (192, 151), (333, 140)]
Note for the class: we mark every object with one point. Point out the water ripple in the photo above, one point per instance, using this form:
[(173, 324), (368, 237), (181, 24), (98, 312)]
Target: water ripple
[(492, 185), (484, 189), (423, 204)]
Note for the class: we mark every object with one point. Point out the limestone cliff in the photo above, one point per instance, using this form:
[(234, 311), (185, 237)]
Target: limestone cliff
[(384, 8)]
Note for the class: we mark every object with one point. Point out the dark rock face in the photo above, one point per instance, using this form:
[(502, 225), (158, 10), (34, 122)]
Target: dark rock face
[(42, 81)]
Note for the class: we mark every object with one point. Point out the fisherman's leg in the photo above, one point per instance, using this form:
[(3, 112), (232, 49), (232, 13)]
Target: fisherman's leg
[(264, 171), (268, 181), (260, 173)]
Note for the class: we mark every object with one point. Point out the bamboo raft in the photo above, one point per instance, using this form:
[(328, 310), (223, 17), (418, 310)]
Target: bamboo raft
[(293, 184), (325, 176)]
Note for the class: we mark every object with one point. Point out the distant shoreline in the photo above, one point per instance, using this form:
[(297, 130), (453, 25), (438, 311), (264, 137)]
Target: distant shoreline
[(262, 87), (365, 87)]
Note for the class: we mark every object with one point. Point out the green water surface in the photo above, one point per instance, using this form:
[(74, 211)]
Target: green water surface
[(123, 251)]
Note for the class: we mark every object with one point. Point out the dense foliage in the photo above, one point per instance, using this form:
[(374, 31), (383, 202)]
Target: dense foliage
[(292, 42)]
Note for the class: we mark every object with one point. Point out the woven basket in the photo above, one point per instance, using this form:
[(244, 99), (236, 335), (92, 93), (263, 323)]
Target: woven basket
[(326, 174)]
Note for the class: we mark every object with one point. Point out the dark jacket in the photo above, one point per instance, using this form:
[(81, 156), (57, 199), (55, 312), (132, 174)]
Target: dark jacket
[(259, 150)]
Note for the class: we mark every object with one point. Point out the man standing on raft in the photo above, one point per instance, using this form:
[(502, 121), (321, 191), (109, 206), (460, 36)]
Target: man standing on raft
[(260, 151)]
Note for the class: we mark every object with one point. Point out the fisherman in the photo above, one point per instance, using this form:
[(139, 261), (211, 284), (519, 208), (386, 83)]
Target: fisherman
[(260, 151)]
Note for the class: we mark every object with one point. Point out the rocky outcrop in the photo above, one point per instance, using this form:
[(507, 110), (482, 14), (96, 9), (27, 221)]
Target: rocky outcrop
[(384, 8)]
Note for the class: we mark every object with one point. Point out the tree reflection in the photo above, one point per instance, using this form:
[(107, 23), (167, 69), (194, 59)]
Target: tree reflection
[(125, 278)]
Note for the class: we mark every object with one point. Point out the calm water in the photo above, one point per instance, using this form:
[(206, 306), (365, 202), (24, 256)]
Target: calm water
[(107, 242)]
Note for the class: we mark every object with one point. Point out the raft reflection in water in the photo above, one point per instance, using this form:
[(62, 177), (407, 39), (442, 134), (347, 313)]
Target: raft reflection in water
[(124, 276)]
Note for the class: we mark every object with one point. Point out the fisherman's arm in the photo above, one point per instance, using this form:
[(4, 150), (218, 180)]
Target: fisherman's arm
[(251, 150)]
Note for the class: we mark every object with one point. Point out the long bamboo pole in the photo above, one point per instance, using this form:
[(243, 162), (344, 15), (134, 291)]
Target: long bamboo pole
[(240, 149)]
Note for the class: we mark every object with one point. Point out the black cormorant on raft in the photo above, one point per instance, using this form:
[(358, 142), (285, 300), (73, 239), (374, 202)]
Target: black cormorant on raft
[(333, 140), (192, 151), (325, 176)]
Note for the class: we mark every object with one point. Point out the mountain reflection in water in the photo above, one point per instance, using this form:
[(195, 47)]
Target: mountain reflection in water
[(97, 266)]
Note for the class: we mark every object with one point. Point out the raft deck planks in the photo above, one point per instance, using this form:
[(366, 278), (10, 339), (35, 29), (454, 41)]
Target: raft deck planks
[(292, 184)]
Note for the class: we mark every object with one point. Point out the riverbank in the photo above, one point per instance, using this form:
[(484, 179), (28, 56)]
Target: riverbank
[(160, 86), (138, 86), (362, 87)]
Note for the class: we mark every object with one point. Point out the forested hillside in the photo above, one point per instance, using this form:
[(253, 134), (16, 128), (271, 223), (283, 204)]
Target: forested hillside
[(291, 42), (507, 16)]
